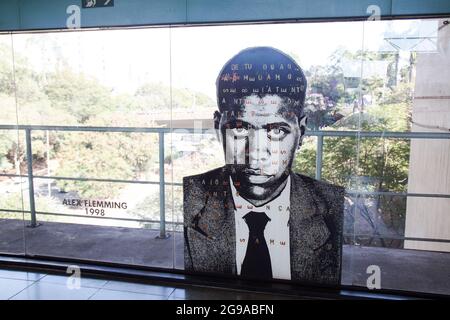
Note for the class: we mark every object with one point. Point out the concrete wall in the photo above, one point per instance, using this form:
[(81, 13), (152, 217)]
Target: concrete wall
[(429, 170)]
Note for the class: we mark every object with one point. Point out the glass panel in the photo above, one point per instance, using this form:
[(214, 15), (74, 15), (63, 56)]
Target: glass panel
[(130, 117), (362, 89), (401, 227), (198, 56), (97, 103), (12, 157)]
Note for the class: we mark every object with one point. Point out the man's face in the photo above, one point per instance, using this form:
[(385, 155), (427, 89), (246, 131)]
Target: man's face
[(260, 138)]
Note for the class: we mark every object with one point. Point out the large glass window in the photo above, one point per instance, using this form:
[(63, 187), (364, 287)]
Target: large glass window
[(113, 120)]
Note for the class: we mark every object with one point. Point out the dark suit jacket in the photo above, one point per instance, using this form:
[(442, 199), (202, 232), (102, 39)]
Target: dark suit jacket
[(315, 224)]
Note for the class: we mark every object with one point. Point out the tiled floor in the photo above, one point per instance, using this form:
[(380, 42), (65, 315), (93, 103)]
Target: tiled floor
[(20, 285)]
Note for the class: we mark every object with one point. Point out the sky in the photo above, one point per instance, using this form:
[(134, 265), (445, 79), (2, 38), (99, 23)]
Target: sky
[(191, 57)]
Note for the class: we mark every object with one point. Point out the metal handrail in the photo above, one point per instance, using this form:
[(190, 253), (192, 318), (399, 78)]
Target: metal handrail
[(162, 183), (327, 133)]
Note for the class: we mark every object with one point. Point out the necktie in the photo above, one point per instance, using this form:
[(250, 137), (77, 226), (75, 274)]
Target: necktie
[(257, 258)]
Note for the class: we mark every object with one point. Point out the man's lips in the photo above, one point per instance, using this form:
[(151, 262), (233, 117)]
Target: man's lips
[(253, 171), (256, 172), (255, 176)]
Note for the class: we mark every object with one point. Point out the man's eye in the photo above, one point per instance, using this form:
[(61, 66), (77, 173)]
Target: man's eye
[(240, 132), (277, 133)]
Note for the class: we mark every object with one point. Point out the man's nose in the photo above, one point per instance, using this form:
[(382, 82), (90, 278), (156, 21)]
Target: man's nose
[(259, 146)]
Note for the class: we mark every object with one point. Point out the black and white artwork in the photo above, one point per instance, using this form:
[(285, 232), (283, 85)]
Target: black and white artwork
[(254, 217)]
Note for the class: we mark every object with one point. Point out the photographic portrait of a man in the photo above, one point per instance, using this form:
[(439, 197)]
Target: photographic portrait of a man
[(254, 217)]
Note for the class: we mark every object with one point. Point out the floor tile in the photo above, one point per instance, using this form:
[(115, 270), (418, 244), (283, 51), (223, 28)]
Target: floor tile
[(104, 294), (172, 297), (201, 293), (10, 287), (84, 282), (51, 291), (21, 275), (139, 288), (204, 294)]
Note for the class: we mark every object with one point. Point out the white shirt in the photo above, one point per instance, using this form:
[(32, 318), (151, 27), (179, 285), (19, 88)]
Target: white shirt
[(276, 231)]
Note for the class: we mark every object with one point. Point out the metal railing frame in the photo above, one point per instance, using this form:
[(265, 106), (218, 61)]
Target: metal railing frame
[(162, 183)]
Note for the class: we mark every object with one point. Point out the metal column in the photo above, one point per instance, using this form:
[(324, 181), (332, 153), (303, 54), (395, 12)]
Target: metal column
[(33, 222), (319, 157), (162, 189)]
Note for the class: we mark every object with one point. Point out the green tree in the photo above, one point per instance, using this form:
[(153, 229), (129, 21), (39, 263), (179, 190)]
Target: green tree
[(77, 95), (157, 96), (104, 155)]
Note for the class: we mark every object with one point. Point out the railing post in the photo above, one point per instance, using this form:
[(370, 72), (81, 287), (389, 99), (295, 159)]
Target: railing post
[(319, 157), (33, 222), (162, 189), (49, 189)]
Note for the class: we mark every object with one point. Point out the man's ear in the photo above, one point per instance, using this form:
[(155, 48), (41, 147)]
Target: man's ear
[(217, 116), (302, 125)]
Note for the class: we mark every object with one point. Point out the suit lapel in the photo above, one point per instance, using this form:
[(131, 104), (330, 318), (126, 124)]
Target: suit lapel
[(307, 227), (217, 221)]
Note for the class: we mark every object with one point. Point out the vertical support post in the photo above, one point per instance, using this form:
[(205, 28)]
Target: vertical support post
[(33, 222), (49, 190), (319, 157), (162, 189)]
